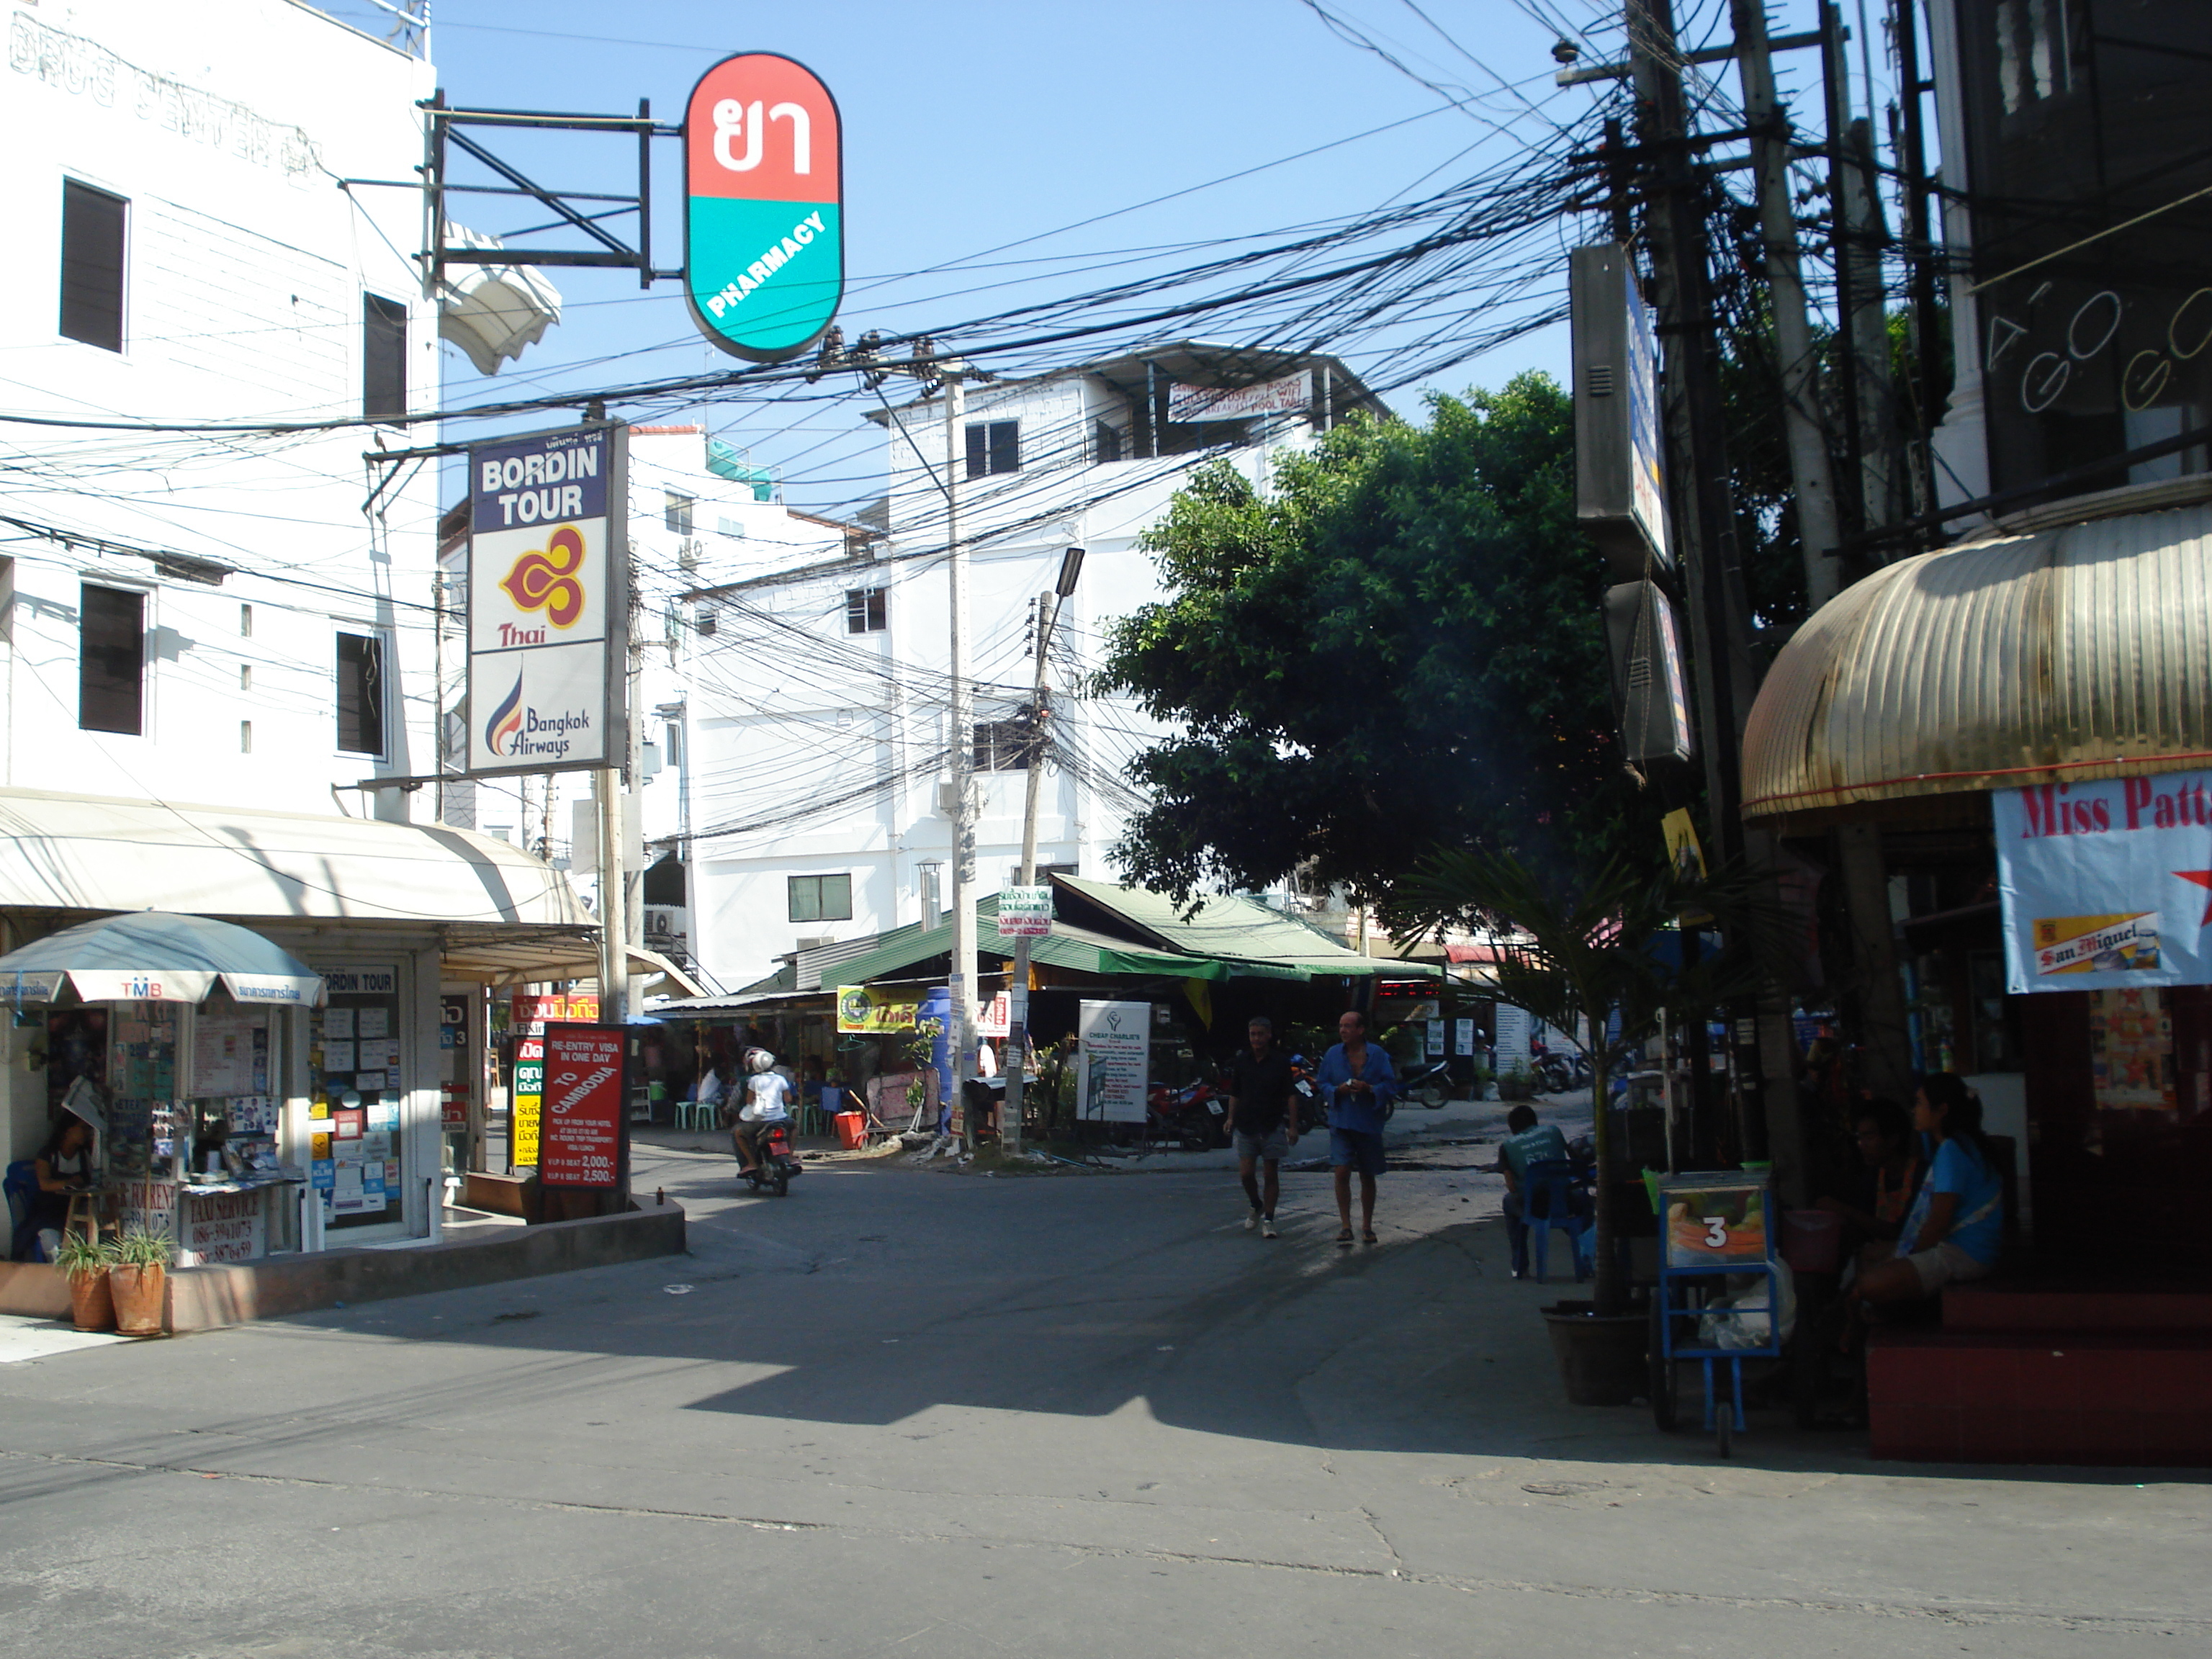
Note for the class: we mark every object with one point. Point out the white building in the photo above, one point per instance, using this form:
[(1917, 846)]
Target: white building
[(820, 706), (220, 619)]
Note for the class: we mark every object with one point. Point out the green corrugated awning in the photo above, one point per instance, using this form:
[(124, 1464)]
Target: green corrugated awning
[(1305, 952)]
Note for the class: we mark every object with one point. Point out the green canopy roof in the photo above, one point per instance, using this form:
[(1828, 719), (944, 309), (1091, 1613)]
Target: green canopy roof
[(1227, 938)]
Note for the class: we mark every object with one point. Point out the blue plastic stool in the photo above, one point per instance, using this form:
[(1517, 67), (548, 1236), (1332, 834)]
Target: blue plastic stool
[(1549, 1194)]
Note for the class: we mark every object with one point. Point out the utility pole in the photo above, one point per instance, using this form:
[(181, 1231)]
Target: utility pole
[(1811, 474), (952, 374), (1018, 994)]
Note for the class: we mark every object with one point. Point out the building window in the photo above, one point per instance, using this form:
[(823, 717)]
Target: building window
[(110, 660), (1002, 746), (1106, 443), (995, 446), (361, 694), (821, 898), (676, 513), (866, 610), (92, 265), (383, 358)]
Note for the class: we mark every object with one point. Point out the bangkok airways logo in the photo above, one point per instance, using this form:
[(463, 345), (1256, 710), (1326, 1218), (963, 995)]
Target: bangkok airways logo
[(546, 580), (505, 721)]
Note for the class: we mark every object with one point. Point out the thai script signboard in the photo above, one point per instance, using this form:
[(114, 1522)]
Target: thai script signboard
[(2106, 885), (548, 601), (763, 217)]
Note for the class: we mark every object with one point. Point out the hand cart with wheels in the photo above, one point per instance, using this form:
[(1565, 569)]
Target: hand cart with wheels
[(1713, 1228)]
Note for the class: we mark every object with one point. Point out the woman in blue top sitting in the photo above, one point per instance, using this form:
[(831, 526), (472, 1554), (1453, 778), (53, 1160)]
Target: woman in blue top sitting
[(1955, 1227)]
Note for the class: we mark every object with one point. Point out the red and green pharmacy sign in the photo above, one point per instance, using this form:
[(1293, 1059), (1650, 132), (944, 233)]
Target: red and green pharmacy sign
[(764, 239)]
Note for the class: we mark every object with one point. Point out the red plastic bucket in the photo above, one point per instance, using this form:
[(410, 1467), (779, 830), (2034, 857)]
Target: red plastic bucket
[(1812, 1241), (852, 1130)]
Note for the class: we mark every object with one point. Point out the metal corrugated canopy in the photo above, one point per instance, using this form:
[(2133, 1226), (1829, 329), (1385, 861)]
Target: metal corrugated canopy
[(2073, 653)]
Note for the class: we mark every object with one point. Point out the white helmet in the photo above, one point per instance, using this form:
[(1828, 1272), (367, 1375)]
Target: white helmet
[(758, 1060)]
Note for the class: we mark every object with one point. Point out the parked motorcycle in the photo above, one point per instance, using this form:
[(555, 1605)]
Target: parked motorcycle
[(1191, 1115), (1305, 1098), (1428, 1085), (778, 1164)]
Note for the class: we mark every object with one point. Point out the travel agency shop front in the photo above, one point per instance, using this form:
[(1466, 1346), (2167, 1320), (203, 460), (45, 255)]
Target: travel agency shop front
[(367, 1098)]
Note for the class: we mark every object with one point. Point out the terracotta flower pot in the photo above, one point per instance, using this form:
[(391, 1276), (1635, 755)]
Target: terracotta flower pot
[(92, 1304), (1601, 1359), (138, 1298)]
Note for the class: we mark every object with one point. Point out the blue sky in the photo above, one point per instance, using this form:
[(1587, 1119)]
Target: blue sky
[(974, 124)]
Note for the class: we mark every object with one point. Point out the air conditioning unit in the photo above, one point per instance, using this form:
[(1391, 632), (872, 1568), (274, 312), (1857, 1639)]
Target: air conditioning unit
[(688, 552), (702, 619), (816, 943)]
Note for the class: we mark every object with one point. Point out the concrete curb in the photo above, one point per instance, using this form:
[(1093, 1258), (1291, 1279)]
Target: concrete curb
[(210, 1297)]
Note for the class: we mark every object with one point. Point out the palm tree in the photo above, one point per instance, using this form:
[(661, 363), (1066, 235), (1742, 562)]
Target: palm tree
[(1584, 950)]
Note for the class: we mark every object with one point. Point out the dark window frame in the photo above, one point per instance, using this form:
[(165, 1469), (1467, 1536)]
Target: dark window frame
[(111, 674), (816, 905), (1003, 745), (383, 359), (867, 609), (993, 447), (677, 511), (360, 699), (94, 265)]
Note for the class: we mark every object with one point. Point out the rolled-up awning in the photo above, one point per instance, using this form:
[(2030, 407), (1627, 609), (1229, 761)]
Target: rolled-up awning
[(2076, 653)]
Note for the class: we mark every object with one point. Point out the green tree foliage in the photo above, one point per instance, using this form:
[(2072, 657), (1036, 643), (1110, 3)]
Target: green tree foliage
[(1398, 648)]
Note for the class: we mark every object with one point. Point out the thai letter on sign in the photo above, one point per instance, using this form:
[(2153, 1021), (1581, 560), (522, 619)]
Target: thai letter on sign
[(580, 1119), (763, 231)]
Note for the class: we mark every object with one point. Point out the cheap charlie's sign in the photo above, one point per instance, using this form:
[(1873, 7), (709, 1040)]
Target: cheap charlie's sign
[(764, 225), (2106, 885)]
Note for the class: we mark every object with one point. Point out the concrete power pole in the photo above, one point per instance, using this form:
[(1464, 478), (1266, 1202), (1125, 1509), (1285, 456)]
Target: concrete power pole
[(963, 977), (1811, 473)]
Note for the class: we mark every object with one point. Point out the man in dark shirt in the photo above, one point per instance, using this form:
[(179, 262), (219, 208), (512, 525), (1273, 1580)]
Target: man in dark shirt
[(1260, 1123)]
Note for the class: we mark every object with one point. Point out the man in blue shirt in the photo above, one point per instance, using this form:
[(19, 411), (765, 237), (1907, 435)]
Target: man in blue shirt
[(1359, 1082)]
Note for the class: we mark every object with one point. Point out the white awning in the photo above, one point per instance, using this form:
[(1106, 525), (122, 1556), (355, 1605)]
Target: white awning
[(87, 852)]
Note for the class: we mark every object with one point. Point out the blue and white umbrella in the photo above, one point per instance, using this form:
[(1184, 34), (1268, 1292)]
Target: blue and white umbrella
[(155, 955)]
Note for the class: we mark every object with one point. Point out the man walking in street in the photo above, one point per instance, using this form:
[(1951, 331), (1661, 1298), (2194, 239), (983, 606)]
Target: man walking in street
[(1359, 1082), (1262, 1126)]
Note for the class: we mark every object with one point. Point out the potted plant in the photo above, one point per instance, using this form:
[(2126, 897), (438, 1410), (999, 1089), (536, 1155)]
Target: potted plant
[(85, 1265), (1518, 1083), (140, 1280), (1582, 950)]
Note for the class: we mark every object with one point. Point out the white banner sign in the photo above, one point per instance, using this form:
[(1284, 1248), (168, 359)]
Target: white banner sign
[(548, 603), (1025, 912), (1291, 395), (2106, 885), (1112, 1060)]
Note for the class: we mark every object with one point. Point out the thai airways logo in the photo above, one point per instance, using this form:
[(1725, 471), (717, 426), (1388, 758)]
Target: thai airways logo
[(545, 579), (505, 721)]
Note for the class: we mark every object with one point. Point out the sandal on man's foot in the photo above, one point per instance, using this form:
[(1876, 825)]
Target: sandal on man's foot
[(1368, 1237), (1344, 1235)]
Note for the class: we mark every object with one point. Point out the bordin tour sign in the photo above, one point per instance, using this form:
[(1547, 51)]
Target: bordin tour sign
[(579, 1112), (764, 230), (548, 601)]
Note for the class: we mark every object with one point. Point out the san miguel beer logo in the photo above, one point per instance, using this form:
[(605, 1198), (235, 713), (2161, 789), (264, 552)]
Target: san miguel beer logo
[(764, 238), (545, 579)]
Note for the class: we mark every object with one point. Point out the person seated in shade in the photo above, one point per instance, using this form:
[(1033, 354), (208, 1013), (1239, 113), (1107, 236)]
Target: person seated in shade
[(1955, 1227), (1873, 1211), (64, 1165), (1526, 1141)]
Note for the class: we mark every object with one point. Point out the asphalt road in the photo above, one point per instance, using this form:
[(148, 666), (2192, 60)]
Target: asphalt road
[(912, 1412)]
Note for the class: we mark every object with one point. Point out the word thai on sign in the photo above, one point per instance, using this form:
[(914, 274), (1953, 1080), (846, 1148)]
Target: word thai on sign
[(2106, 885), (580, 1114), (548, 601), (764, 225), (527, 1091)]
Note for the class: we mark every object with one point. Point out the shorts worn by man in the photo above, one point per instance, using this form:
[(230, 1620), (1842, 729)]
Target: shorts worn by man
[(1262, 1126)]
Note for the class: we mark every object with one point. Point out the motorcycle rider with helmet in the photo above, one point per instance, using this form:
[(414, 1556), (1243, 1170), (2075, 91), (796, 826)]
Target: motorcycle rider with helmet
[(768, 1099)]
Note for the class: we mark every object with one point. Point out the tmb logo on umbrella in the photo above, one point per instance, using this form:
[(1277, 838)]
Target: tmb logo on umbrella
[(764, 240)]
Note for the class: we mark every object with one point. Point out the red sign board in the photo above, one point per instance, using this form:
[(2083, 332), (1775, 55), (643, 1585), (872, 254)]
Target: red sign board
[(579, 1123)]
